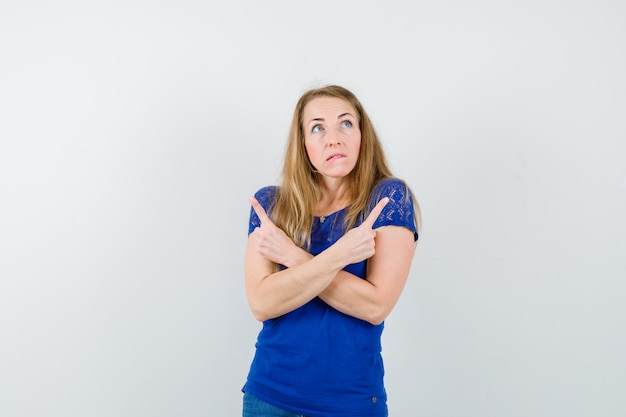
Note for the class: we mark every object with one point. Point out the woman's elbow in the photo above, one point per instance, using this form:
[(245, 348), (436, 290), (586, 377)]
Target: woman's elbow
[(263, 311), (377, 315), (259, 317), (376, 322), (259, 313)]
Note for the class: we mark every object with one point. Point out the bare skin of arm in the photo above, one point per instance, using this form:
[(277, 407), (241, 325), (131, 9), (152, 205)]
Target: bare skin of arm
[(272, 294), (371, 299)]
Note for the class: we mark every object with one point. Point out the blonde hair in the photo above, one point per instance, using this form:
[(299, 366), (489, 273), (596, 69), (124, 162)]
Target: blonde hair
[(294, 206)]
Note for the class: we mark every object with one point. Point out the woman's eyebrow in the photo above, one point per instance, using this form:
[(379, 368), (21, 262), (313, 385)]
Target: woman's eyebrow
[(321, 119), (317, 119)]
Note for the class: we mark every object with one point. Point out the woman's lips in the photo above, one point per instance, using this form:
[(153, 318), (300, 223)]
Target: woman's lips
[(335, 156)]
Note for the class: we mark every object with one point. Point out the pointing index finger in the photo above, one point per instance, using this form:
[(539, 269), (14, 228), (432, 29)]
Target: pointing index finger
[(369, 222), (259, 210)]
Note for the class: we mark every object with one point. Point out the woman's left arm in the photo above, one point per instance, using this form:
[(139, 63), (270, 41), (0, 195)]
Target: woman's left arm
[(373, 298)]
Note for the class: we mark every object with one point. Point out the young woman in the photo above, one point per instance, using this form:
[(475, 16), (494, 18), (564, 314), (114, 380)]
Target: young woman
[(328, 254)]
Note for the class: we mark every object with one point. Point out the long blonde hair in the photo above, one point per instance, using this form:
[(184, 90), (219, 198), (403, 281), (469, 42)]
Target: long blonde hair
[(294, 206)]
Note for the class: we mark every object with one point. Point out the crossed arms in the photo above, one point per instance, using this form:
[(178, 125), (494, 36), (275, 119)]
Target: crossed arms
[(389, 250)]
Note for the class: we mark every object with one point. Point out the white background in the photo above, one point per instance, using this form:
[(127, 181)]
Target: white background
[(132, 133)]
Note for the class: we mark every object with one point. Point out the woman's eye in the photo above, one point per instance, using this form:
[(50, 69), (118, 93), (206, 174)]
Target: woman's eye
[(316, 129), (346, 123)]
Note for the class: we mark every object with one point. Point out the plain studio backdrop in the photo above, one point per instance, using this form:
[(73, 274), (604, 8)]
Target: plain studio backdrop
[(132, 134)]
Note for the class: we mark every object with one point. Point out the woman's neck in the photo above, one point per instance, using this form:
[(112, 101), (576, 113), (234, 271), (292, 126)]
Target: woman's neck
[(335, 195)]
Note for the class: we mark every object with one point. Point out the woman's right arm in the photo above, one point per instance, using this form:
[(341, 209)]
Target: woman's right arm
[(272, 294)]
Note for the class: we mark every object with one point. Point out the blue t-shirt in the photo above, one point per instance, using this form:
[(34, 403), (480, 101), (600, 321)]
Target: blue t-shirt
[(315, 360)]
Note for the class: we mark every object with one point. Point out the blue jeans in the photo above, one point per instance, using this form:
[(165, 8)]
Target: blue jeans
[(253, 407)]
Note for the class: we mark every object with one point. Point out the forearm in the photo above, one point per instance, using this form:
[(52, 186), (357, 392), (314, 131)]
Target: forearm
[(272, 294), (355, 297), (373, 298), (280, 292), (348, 293)]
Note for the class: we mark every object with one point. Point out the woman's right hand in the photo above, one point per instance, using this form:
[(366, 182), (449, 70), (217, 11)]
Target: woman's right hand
[(273, 243)]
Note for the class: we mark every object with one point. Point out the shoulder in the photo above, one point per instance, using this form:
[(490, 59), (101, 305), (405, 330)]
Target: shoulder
[(394, 188), (400, 210), (266, 195)]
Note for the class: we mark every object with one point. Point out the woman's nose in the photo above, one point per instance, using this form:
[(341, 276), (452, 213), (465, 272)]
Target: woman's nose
[(332, 137)]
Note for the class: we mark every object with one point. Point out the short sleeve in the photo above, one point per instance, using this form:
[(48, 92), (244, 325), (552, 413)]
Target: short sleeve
[(265, 196), (400, 210)]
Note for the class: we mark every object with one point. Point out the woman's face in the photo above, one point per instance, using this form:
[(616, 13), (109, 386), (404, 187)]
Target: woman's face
[(332, 137)]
